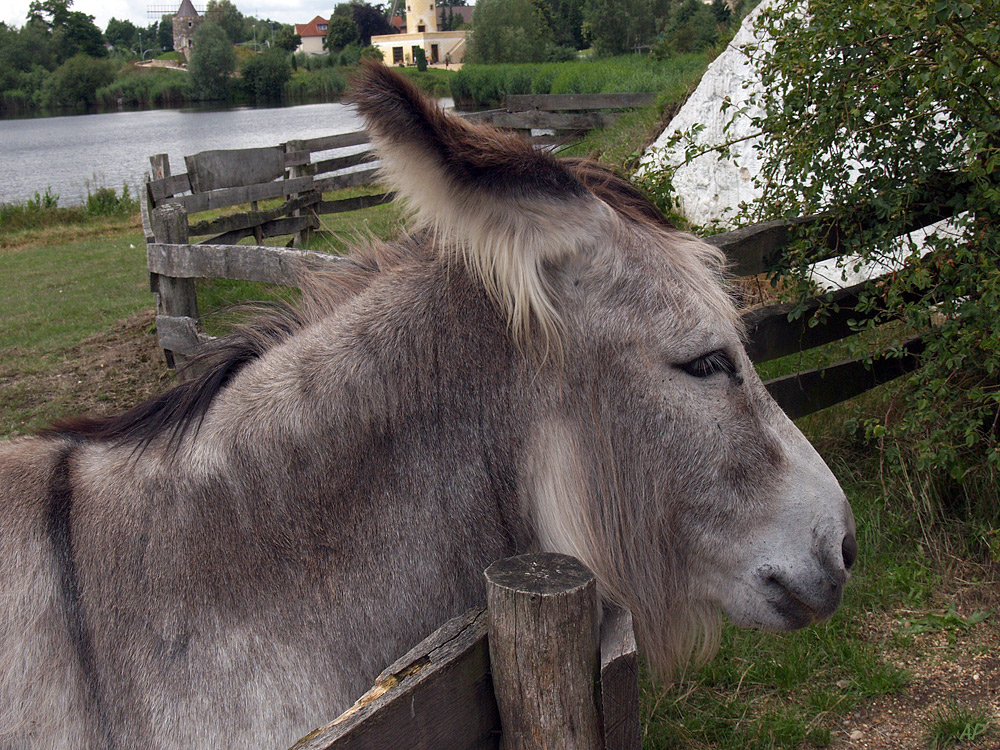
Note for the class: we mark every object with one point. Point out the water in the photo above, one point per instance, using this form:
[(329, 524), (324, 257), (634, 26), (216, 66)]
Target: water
[(64, 154)]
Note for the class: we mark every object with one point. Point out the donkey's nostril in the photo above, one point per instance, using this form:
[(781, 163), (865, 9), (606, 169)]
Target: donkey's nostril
[(849, 548)]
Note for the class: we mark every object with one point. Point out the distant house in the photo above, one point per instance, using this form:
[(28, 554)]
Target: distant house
[(398, 23), (186, 23), (422, 32), (313, 35)]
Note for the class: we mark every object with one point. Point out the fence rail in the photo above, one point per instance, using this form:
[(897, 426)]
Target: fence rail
[(487, 674)]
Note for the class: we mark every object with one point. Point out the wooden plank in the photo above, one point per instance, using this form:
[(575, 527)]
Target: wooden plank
[(619, 682), (328, 142), (535, 119), (439, 695), (805, 392), (226, 168), (343, 162), (175, 297), (275, 228), (181, 335), (272, 265), (352, 179), (144, 199), (245, 220), (297, 158), (564, 102), (235, 195), (770, 334), (165, 188), (545, 652), (353, 204)]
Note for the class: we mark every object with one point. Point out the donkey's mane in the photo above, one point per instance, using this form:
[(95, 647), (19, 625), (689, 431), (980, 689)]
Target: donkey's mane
[(176, 411)]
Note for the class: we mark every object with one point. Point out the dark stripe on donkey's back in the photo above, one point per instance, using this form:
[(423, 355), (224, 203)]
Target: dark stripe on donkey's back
[(60, 531)]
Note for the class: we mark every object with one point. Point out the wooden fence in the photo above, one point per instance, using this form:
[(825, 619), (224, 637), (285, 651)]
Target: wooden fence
[(569, 116), (540, 667), (299, 172)]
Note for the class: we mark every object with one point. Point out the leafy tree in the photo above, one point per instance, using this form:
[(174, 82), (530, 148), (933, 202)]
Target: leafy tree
[(617, 26), (287, 39), (341, 31), (228, 17), (75, 82), (370, 22), (122, 34), (690, 27), (264, 76), (49, 13), (510, 31), (80, 35), (567, 23), (165, 33), (212, 62), (882, 114)]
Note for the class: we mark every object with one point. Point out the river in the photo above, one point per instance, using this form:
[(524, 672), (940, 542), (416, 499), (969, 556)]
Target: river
[(65, 154)]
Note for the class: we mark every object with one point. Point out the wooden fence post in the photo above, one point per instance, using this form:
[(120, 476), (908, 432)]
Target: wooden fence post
[(175, 298), (545, 652)]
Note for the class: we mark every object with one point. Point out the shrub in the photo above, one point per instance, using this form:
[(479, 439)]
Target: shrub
[(76, 81), (264, 76), (878, 116)]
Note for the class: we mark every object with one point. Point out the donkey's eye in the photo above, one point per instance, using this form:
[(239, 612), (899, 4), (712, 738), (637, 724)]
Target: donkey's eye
[(710, 364)]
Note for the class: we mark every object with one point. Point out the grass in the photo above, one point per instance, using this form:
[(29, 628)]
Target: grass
[(955, 725)]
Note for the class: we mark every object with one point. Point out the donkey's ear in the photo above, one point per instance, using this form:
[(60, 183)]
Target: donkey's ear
[(505, 207)]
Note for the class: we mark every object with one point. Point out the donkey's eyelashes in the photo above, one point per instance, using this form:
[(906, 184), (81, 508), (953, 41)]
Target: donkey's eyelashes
[(706, 365)]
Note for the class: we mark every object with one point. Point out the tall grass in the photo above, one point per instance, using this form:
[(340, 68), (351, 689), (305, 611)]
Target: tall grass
[(487, 85), (318, 83), (154, 87)]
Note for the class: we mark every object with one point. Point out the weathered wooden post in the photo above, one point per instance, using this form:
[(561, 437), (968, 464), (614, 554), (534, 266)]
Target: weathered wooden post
[(175, 298), (545, 652)]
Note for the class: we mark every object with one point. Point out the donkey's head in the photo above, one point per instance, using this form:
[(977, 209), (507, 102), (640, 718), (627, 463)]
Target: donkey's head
[(654, 452)]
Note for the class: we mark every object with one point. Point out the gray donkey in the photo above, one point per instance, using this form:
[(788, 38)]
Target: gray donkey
[(543, 364)]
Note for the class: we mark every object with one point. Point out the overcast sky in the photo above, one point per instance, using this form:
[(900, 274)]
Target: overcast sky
[(14, 12)]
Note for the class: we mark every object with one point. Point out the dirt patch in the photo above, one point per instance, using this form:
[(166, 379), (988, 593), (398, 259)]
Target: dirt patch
[(949, 666), (105, 373)]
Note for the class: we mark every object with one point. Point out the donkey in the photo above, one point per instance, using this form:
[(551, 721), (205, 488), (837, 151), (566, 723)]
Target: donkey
[(544, 363)]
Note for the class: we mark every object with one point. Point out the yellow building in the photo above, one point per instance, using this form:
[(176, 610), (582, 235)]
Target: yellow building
[(421, 31)]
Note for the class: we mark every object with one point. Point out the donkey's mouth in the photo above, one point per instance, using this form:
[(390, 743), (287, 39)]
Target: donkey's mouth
[(797, 606)]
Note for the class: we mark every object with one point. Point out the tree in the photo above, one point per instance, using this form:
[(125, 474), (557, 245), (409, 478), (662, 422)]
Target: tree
[(370, 22), (880, 114), (615, 27), (287, 39), (264, 76), (165, 33), (122, 34), (212, 62), (79, 35), (341, 31), (511, 31), (228, 17)]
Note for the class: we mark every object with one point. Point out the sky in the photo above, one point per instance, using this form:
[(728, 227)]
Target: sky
[(14, 12)]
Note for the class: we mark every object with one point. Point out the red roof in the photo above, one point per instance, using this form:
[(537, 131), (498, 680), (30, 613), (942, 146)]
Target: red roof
[(313, 27), (398, 22)]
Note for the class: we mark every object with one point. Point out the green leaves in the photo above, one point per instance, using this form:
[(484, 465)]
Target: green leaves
[(866, 106)]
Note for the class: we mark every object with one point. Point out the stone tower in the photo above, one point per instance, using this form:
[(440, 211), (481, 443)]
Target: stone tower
[(186, 22)]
